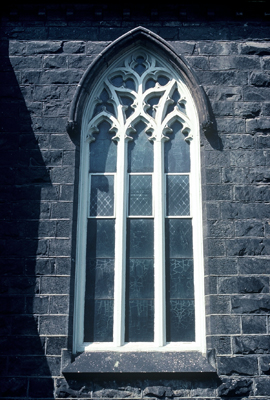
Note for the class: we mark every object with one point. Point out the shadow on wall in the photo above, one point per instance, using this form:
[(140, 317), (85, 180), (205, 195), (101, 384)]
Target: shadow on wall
[(24, 368)]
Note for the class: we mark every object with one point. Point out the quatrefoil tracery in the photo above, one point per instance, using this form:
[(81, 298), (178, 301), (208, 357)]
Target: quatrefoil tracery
[(140, 90)]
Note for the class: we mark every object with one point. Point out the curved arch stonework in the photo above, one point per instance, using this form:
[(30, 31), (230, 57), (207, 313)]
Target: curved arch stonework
[(147, 41)]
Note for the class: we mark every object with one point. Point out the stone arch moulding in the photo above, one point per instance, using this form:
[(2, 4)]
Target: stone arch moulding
[(121, 45)]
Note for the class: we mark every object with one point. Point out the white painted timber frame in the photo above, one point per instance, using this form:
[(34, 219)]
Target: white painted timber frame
[(158, 126)]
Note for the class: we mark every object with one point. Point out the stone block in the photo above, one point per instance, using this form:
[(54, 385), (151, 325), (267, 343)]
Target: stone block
[(37, 304), (13, 387), (249, 228), (221, 344), (223, 108), (249, 304), (264, 365), (59, 304), (242, 284), (53, 325), (63, 175), (55, 284), (44, 47), (224, 325), (218, 192), (183, 48), (253, 47), (247, 158), (258, 344), (216, 247), (242, 63), (80, 61), (238, 141), (266, 109), (40, 266), (260, 79), (254, 324), (251, 193), (235, 175), (74, 47), (248, 247), (213, 175), (262, 386), (198, 62), (245, 365), (217, 48), (263, 142), (261, 124), (96, 47), (222, 266), (254, 265), (251, 93), (226, 78), (217, 304), (41, 387), (227, 93), (220, 228), (235, 387), (55, 344), (60, 247), (55, 62), (63, 229), (61, 210)]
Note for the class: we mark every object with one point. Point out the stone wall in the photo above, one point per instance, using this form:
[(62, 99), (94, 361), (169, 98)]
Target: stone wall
[(44, 53)]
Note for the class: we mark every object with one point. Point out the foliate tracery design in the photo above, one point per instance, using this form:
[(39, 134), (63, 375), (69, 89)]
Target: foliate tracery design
[(140, 88)]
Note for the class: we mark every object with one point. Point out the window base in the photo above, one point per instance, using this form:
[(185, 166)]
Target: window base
[(138, 362)]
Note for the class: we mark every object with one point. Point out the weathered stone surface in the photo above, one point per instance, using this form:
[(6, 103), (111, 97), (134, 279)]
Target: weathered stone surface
[(254, 324), (235, 387), (158, 391), (245, 365), (243, 285), (258, 48), (264, 362), (246, 304), (251, 344), (260, 79)]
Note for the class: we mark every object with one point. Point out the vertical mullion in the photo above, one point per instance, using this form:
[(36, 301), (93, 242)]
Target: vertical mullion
[(159, 246), (120, 243)]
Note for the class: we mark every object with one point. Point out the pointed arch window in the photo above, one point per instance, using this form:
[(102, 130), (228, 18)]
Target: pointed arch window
[(139, 253)]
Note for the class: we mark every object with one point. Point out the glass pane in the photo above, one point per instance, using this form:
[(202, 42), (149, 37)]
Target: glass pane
[(179, 238), (140, 238), (103, 150), (100, 278), (178, 195), (102, 195), (140, 321), (100, 238), (140, 151), (140, 195), (180, 278), (140, 278), (98, 320), (177, 151), (180, 321)]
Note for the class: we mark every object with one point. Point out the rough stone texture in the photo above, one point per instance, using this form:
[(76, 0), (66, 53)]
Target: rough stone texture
[(44, 52)]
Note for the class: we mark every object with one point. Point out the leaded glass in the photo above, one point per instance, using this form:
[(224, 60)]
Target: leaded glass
[(100, 278), (102, 195), (179, 238), (103, 150), (140, 238), (100, 238), (181, 321), (140, 321), (178, 195), (140, 151), (180, 278), (177, 151), (98, 320), (140, 195)]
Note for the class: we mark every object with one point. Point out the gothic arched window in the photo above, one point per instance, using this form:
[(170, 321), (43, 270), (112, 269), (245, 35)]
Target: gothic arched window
[(139, 266)]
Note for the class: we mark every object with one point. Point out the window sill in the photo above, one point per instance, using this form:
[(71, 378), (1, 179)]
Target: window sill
[(138, 362)]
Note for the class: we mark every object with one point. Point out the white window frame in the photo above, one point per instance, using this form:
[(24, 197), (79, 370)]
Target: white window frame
[(121, 188)]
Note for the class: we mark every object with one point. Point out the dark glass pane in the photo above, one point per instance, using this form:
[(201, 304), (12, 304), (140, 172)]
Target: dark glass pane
[(140, 238), (180, 278), (102, 195), (98, 320), (100, 278), (140, 195), (100, 238), (140, 278), (177, 151), (127, 102), (103, 104), (180, 322), (103, 150), (178, 195), (140, 321), (139, 65), (140, 151), (178, 238)]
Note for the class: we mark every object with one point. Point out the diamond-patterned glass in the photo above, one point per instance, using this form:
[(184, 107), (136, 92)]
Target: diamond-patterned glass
[(102, 195), (178, 195), (140, 195)]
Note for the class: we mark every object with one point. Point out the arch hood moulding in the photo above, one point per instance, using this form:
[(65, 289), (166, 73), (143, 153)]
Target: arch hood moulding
[(147, 40)]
